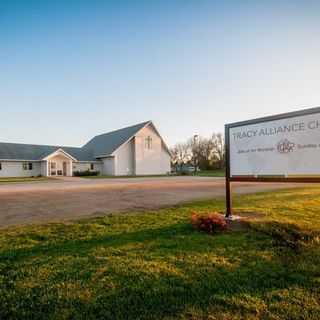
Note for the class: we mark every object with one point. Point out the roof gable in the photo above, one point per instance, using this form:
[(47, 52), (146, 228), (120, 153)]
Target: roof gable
[(159, 135), (59, 152), (105, 144)]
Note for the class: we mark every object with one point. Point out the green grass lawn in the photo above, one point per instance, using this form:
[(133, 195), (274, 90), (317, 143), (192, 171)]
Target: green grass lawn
[(153, 265), (211, 173), (23, 179), (203, 173), (125, 177)]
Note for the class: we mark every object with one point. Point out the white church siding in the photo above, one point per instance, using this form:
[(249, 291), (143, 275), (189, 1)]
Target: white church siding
[(154, 160), (85, 166), (43, 168), (165, 160), (124, 159), (108, 166), (15, 169)]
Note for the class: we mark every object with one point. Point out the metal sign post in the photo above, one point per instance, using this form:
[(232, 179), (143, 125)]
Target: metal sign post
[(227, 182)]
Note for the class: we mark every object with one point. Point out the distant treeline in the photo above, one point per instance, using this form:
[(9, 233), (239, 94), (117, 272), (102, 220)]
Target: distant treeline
[(200, 152)]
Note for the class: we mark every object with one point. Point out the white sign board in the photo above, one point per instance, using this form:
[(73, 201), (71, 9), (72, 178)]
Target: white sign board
[(287, 147)]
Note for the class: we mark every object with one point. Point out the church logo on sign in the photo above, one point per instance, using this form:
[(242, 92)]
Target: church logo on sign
[(285, 146)]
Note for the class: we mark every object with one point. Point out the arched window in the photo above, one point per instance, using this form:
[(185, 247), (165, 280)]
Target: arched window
[(148, 143)]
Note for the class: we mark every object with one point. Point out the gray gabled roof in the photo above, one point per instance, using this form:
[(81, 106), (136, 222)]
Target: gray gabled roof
[(101, 145), (17, 151), (105, 144)]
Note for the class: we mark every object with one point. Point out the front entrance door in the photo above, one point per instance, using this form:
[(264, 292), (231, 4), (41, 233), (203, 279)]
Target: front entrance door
[(64, 168), (53, 169)]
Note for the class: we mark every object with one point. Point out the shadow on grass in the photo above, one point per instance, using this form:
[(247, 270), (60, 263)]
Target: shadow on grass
[(154, 273)]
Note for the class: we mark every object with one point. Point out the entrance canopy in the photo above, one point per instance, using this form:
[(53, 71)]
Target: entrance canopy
[(59, 163)]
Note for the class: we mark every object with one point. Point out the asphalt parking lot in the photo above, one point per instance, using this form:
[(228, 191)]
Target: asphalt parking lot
[(73, 198)]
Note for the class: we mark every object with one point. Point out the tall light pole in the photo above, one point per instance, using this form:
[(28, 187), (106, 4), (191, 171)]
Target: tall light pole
[(195, 138)]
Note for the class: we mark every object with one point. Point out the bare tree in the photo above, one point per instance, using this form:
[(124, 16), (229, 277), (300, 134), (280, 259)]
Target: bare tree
[(201, 150), (181, 154), (195, 147), (218, 149), (203, 153), (207, 153)]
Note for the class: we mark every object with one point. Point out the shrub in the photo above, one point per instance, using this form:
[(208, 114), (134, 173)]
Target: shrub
[(209, 222), (86, 173)]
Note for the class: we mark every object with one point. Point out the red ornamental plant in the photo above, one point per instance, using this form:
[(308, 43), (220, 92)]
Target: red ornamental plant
[(210, 222)]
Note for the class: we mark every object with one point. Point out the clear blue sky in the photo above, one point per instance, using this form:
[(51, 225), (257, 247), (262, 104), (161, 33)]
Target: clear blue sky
[(73, 69)]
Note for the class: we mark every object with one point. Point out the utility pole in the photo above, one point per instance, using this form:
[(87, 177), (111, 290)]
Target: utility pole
[(195, 138)]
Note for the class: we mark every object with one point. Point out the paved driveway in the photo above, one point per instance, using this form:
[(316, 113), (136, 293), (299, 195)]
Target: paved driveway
[(76, 197)]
